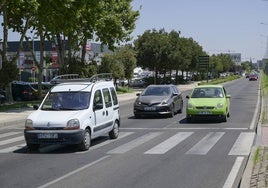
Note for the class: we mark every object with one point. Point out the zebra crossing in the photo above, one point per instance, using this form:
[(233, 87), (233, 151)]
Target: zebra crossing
[(13, 141)]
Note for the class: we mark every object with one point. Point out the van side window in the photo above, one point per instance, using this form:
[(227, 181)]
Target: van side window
[(107, 97), (97, 101), (114, 96)]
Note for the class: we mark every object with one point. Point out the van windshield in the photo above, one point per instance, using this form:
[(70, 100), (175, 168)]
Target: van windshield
[(66, 101)]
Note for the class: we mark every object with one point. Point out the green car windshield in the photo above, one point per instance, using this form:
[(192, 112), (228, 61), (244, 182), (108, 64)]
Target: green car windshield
[(207, 92)]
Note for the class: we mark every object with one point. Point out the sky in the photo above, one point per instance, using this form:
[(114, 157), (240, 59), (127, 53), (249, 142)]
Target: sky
[(219, 26)]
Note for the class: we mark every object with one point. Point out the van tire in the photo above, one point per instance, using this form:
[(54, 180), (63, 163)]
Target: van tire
[(86, 142), (113, 134)]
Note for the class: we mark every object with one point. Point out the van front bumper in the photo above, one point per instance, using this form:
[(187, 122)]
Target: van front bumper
[(54, 136)]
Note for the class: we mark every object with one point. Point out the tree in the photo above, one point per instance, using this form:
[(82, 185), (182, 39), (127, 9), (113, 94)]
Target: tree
[(127, 56), (111, 64), (109, 22), (152, 51), (16, 16)]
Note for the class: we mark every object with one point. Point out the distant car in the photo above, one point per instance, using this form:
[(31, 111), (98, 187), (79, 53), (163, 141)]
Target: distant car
[(253, 77), (158, 100), (208, 101), (3, 96), (23, 91)]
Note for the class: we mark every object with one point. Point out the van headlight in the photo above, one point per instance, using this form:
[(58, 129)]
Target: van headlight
[(73, 124), (29, 124)]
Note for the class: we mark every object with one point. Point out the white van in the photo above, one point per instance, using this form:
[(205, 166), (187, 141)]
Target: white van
[(74, 113)]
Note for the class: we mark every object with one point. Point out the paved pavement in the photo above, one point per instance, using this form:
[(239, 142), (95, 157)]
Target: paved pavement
[(255, 175)]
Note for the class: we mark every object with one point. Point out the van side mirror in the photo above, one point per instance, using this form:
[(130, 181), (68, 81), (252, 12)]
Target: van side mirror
[(35, 107)]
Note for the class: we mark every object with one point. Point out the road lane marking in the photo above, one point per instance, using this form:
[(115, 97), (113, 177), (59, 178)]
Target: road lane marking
[(9, 134), (186, 128), (8, 141), (169, 143), (134, 143), (12, 149), (74, 172), (204, 145), (252, 124), (243, 144), (233, 174), (121, 135)]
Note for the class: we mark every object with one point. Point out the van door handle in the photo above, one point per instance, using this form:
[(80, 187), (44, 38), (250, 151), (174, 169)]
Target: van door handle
[(103, 113), (106, 112)]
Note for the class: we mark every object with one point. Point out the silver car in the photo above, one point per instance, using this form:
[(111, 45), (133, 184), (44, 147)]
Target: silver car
[(158, 100)]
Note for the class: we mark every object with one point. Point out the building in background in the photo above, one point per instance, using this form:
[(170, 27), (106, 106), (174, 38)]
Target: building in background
[(26, 64)]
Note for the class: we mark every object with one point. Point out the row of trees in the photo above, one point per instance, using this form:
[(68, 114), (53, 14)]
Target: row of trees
[(109, 22)]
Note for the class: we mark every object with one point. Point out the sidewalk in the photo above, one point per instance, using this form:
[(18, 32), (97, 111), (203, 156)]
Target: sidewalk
[(16, 116), (256, 172)]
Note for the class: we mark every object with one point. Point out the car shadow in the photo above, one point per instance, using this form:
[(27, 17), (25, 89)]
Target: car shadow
[(200, 121), (59, 149)]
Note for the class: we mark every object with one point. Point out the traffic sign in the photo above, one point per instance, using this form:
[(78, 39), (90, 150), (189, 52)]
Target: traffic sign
[(33, 68), (203, 61)]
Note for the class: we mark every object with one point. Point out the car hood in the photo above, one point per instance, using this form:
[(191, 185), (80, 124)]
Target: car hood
[(43, 118), (206, 101), (152, 99)]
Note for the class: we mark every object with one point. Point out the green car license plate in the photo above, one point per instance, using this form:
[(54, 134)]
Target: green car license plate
[(47, 135), (204, 113)]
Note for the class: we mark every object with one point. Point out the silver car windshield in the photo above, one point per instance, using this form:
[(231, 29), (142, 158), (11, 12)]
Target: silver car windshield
[(157, 91), (66, 101)]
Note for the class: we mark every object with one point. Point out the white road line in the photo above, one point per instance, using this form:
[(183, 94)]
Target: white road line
[(74, 172), (12, 149), (252, 124), (169, 143), (204, 145), (134, 143), (233, 174), (243, 144), (8, 141), (121, 135), (186, 128), (9, 134)]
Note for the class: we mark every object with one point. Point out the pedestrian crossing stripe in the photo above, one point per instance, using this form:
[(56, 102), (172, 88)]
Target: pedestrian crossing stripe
[(134, 143), (169, 143), (241, 146), (204, 145), (9, 134)]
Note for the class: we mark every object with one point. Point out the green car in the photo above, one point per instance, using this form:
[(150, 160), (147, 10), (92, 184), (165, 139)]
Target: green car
[(207, 101)]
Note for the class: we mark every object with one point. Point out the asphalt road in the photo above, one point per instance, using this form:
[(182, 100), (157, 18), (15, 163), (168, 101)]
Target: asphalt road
[(150, 152)]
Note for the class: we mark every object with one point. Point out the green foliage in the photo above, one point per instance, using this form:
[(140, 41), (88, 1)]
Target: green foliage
[(220, 80), (8, 73)]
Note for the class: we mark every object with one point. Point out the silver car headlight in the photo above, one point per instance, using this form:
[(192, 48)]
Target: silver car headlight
[(138, 102), (73, 124), (164, 102), (29, 124), (219, 105)]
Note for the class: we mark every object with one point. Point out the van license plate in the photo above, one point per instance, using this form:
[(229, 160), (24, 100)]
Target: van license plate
[(47, 135)]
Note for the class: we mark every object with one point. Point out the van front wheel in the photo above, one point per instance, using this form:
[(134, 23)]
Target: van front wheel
[(86, 141), (113, 134)]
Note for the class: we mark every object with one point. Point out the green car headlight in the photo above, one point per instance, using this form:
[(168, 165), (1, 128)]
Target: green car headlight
[(190, 105), (219, 105)]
